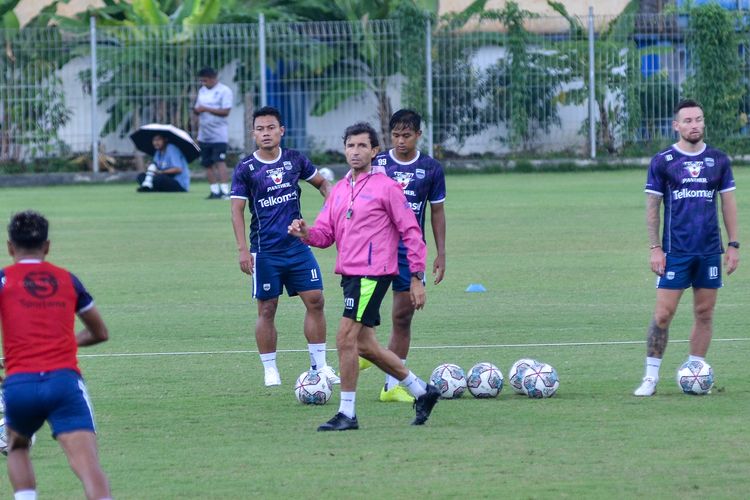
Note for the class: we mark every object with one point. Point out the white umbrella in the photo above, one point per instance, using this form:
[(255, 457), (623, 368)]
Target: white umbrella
[(142, 138)]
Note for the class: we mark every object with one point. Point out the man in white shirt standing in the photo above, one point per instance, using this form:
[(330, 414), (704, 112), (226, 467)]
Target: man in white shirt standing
[(212, 106)]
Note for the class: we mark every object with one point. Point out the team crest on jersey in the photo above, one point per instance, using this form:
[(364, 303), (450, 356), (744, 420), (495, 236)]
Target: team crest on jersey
[(709, 161), (420, 173), (41, 285), (288, 165), (694, 168), (403, 178), (276, 174)]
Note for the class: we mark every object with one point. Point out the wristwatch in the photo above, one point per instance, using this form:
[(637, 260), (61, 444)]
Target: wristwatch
[(419, 275), (735, 244)]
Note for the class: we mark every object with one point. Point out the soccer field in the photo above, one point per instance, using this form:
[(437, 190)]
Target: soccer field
[(183, 413)]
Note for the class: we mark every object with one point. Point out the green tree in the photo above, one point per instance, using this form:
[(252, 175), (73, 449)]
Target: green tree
[(716, 78), (615, 89), (520, 89), (32, 102), (148, 54), (364, 55)]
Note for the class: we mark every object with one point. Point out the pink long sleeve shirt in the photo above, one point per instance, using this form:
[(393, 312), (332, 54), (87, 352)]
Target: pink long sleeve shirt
[(366, 222)]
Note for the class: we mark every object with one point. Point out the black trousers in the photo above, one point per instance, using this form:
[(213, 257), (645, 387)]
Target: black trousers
[(163, 182)]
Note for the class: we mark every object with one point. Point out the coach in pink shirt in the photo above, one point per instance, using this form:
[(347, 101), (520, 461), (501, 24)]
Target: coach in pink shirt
[(365, 215)]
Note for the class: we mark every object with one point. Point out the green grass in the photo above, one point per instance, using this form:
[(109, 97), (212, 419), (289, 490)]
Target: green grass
[(564, 261)]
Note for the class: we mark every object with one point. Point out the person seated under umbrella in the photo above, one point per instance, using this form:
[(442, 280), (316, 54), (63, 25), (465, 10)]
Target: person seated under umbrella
[(169, 170)]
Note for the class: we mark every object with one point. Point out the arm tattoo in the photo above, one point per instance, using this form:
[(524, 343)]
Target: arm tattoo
[(653, 203), (657, 340)]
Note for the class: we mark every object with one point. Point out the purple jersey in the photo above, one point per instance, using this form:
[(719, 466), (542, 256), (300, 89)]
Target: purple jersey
[(273, 194), (688, 184), (422, 180)]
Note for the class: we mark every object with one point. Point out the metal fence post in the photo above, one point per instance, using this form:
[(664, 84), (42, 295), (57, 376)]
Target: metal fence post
[(262, 58), (428, 81), (592, 92), (94, 131)]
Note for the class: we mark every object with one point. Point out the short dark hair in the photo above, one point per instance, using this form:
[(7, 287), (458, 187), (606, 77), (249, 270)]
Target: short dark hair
[(267, 111), (405, 118), (687, 103), (28, 230), (207, 72), (362, 128)]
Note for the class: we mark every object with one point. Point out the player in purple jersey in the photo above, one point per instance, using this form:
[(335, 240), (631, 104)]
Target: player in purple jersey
[(687, 178), (423, 180), (269, 180)]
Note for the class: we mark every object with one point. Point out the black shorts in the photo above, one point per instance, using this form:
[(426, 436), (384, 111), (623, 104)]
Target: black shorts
[(212, 152), (363, 296)]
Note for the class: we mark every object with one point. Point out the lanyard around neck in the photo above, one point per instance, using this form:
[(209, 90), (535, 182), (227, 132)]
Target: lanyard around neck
[(353, 195)]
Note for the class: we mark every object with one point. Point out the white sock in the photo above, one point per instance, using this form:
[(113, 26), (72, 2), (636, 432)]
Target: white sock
[(696, 358), (414, 385), (25, 495), (346, 406), (224, 188), (317, 355), (652, 368), (215, 188), (391, 382), (269, 360)]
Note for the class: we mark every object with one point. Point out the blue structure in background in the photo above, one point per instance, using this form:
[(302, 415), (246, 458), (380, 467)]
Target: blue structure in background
[(290, 101), (650, 64), (727, 4)]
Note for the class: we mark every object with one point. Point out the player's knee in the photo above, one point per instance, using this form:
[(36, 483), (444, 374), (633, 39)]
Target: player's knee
[(267, 310), (315, 303), (663, 316), (402, 323), (704, 314)]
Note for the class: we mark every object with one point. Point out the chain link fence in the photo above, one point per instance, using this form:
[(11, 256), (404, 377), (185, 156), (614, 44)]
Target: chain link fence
[(492, 92)]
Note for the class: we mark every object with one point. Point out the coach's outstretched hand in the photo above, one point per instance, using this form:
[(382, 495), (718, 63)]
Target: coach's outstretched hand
[(298, 228)]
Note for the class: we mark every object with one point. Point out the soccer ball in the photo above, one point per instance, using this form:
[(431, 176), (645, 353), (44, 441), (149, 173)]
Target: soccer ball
[(3, 437), (539, 380), (485, 380), (313, 388), (327, 174), (695, 377), (450, 379), (515, 372)]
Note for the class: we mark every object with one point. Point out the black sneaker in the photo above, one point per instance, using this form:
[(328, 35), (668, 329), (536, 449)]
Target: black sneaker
[(425, 403), (340, 422), (214, 196), (144, 189)]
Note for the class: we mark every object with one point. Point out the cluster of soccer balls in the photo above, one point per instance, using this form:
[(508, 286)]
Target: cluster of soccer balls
[(485, 380), (527, 376)]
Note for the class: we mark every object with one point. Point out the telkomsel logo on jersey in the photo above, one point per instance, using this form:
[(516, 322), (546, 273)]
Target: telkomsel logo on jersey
[(680, 194), (277, 200)]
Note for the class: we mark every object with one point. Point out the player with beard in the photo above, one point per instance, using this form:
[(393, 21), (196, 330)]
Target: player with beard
[(687, 178)]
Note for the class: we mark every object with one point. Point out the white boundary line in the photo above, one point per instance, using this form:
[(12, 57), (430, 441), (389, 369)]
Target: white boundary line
[(437, 347)]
